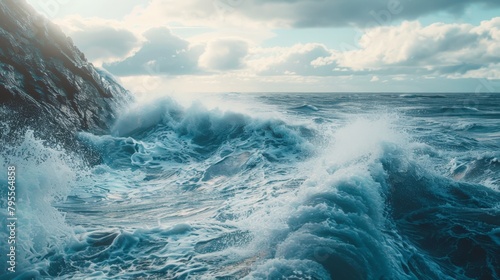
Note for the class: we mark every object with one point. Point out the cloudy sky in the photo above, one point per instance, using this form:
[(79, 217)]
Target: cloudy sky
[(288, 45)]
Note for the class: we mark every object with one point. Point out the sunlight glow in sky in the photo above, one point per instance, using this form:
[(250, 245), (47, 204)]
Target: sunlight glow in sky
[(303, 45)]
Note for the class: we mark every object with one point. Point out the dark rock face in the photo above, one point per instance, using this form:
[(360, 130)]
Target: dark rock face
[(45, 81)]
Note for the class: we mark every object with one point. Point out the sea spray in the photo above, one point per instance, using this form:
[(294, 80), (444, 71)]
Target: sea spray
[(44, 176)]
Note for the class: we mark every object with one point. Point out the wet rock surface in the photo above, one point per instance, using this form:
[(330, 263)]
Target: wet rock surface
[(46, 83)]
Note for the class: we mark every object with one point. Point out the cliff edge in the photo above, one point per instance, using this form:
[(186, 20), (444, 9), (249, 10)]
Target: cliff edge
[(47, 84)]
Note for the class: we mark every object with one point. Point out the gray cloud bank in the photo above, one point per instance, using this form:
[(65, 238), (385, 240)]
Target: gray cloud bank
[(101, 42), (162, 53), (361, 13)]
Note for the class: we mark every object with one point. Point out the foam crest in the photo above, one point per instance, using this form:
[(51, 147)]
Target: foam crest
[(44, 176), (196, 132), (349, 215), (363, 137), (335, 219)]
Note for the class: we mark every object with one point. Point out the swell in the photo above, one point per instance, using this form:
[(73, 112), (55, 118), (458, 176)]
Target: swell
[(383, 215), (163, 131), (455, 224), (211, 193)]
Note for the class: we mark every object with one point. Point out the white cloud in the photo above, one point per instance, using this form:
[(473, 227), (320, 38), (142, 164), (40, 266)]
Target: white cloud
[(491, 72), (141, 46), (207, 13), (104, 42), (224, 54), (163, 53), (394, 53), (100, 40), (410, 48), (296, 60)]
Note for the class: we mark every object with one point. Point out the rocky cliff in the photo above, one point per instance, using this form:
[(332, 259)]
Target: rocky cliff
[(46, 83)]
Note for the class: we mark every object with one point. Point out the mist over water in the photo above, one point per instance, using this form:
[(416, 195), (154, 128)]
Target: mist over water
[(269, 186)]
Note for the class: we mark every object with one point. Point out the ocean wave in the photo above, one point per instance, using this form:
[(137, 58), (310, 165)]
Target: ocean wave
[(45, 176), (191, 192), (306, 107), (481, 168), (165, 131), (364, 219), (409, 95)]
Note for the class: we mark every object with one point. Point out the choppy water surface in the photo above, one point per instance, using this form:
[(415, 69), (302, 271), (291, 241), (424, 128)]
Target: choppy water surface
[(270, 186)]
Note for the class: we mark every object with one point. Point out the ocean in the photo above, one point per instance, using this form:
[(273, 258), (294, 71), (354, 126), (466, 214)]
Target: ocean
[(267, 186)]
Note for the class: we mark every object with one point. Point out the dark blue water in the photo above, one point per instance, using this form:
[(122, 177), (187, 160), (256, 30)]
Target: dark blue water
[(269, 186)]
